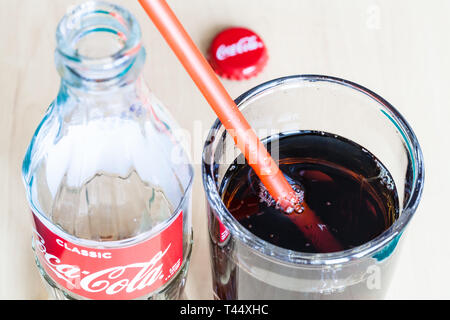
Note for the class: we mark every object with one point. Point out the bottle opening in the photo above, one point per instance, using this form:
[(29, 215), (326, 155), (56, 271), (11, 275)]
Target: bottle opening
[(100, 43), (97, 41)]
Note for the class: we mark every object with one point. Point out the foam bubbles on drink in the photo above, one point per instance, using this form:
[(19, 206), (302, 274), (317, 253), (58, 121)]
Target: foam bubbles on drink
[(264, 196), (384, 177)]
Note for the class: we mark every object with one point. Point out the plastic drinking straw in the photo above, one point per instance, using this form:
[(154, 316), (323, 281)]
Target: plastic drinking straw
[(236, 125)]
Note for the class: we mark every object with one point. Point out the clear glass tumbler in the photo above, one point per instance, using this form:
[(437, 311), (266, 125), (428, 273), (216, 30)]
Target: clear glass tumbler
[(247, 267)]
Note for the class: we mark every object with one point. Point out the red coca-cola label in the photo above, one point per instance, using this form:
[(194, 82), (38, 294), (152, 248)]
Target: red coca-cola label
[(224, 233), (110, 273)]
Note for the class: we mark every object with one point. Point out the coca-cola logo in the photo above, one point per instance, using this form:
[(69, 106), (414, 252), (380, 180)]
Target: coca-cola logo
[(243, 45), (223, 232), (120, 273)]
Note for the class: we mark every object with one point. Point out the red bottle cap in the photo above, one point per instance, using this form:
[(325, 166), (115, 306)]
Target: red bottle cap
[(237, 53)]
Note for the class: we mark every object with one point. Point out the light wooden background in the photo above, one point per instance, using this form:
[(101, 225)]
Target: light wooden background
[(399, 49)]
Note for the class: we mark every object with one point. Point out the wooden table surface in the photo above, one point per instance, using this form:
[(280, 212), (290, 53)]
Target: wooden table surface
[(399, 49)]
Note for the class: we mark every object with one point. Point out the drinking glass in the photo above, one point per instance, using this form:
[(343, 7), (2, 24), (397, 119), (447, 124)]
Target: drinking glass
[(247, 267)]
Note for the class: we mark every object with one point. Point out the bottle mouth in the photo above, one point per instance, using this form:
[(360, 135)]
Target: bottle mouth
[(97, 41)]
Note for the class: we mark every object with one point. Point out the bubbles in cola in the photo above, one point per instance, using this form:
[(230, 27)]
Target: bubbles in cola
[(265, 197), (107, 180)]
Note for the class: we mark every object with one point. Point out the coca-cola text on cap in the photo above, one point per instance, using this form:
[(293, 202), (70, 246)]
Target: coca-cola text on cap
[(237, 53)]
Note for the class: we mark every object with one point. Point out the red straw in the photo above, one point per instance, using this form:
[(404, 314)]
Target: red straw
[(232, 119)]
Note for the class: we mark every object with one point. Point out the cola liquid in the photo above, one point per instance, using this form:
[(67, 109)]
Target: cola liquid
[(345, 185)]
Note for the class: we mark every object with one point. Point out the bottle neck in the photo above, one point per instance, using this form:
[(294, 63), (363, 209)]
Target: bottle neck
[(118, 96), (98, 49)]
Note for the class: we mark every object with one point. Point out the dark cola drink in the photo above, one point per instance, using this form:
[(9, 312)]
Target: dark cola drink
[(343, 184)]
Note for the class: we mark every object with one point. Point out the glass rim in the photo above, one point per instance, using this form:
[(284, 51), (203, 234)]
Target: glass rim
[(271, 251)]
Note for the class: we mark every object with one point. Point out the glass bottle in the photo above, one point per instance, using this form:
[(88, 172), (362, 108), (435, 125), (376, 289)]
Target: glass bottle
[(108, 182)]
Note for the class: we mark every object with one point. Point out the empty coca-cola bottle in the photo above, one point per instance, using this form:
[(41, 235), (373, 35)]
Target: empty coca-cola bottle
[(108, 182)]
